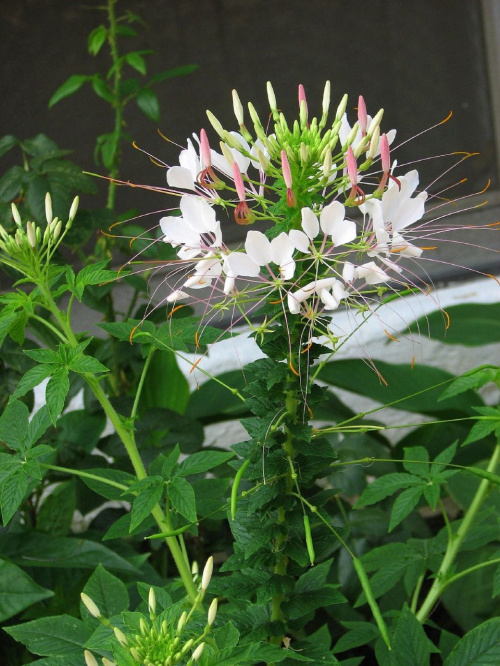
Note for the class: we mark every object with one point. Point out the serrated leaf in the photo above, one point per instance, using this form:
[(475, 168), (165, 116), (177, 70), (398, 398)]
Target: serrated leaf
[(410, 645), (56, 513), (481, 429), (14, 425), (70, 86), (122, 480), (359, 633), (472, 380), (203, 461), (478, 647), (32, 378), (404, 505), (145, 502), (44, 356), (182, 498), (443, 458), (87, 364), (13, 490), (121, 527), (170, 462), (387, 485), (314, 578), (56, 392), (302, 604), (148, 103), (17, 590), (52, 636), (416, 453), (107, 591)]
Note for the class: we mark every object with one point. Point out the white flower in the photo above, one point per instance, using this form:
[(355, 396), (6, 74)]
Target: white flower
[(330, 291), (332, 223), (278, 251), (196, 231)]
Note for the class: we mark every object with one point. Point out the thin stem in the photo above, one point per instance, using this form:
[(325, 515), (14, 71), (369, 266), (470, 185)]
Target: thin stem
[(142, 378), (442, 577), (85, 475), (117, 102)]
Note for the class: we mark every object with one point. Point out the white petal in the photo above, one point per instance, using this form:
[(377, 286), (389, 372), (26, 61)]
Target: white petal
[(198, 213), (300, 241), (189, 159), (287, 269), (177, 231), (229, 285), (281, 249), (258, 247), (177, 295), (310, 223), (239, 263), (343, 232), (328, 300), (180, 177), (331, 215), (348, 272), (409, 212), (371, 273)]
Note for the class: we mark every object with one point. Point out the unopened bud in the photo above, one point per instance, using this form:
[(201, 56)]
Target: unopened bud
[(187, 646), (362, 115), (48, 208), (57, 230), (3, 233), (152, 601), (143, 627), (327, 164), (215, 124), (352, 135), (90, 660), (254, 116), (376, 121), (271, 97), (198, 652), (120, 636), (227, 154), (263, 161), (90, 605), (135, 654), (238, 108), (207, 573), (361, 145), (212, 612), (15, 214), (108, 662), (182, 622), (74, 208), (374, 141), (341, 107), (326, 102), (303, 110), (195, 569)]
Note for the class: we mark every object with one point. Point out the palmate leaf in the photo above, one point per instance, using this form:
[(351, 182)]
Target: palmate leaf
[(387, 485), (404, 505), (14, 425), (56, 392), (182, 497), (32, 378), (150, 492)]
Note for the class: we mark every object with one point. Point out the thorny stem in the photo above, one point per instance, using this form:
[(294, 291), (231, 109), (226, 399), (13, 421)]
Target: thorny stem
[(443, 576)]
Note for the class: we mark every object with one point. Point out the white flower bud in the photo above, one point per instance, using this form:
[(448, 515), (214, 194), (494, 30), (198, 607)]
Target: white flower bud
[(74, 208), (195, 569), (57, 230), (341, 107), (135, 654), (327, 164), (215, 124), (187, 646), (48, 208), (30, 231), (207, 573), (212, 612), (238, 108), (304, 153), (120, 636), (15, 214), (352, 135), (326, 100), (90, 660), (108, 662), (182, 622), (375, 122), (271, 97), (198, 652), (90, 605), (152, 601), (227, 153), (3, 233), (361, 147), (263, 161), (374, 141)]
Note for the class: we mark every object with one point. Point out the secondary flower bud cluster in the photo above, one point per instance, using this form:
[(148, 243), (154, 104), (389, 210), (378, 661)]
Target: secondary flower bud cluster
[(158, 642), (30, 247)]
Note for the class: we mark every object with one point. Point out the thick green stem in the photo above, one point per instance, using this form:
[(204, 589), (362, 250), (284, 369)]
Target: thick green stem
[(442, 578)]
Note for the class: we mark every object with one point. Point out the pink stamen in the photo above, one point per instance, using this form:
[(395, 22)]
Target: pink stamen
[(362, 115)]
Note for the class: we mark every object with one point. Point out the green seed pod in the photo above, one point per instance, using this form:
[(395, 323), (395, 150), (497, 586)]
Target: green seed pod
[(309, 540)]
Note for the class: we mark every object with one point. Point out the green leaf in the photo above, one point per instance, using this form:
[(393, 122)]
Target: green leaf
[(302, 604), (474, 380), (17, 590), (478, 647), (13, 490), (38, 426), (404, 387), (107, 591), (80, 430), (182, 497), (32, 378), (52, 636), (101, 89), (56, 392), (7, 142), (418, 453), (387, 485), (404, 505), (148, 103), (410, 645), (471, 324), (314, 578), (57, 511), (165, 384), (483, 428), (150, 492), (87, 364), (44, 356), (183, 70), (359, 633), (203, 461), (121, 527), (70, 86), (108, 474), (14, 425), (135, 60), (11, 183), (226, 636), (170, 462), (96, 39)]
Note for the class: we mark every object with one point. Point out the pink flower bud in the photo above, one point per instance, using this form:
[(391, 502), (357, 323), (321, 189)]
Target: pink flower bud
[(303, 100), (362, 115), (205, 149), (352, 167), (385, 155), (238, 182)]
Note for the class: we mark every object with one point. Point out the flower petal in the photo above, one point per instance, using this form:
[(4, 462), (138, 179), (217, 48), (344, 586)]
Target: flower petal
[(258, 247), (239, 263), (331, 216), (310, 223), (300, 241), (199, 215), (179, 177)]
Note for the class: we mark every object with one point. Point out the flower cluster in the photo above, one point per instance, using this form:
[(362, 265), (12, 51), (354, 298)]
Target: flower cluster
[(299, 183), (158, 642)]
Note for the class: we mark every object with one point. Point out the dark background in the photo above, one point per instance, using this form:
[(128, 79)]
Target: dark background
[(418, 60)]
